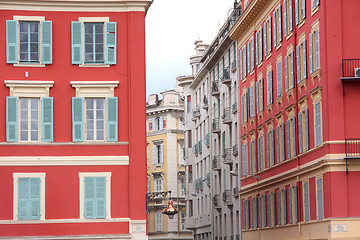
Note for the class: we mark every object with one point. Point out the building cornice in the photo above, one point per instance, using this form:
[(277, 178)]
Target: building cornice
[(77, 5)]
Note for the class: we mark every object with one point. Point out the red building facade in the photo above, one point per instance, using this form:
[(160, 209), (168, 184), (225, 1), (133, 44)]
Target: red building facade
[(72, 145), (298, 64)]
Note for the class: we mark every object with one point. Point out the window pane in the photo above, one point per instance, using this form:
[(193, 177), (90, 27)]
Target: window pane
[(34, 37)]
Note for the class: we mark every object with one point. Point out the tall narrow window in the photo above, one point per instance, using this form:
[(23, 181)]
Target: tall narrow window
[(95, 197), (300, 12), (301, 63), (95, 119), (29, 119), (279, 78), (306, 202), (289, 71), (314, 51), (288, 17), (28, 198), (320, 199)]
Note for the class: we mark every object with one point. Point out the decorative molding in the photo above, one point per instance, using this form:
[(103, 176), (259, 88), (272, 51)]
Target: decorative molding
[(63, 160), (70, 220), (20, 88), (94, 88)]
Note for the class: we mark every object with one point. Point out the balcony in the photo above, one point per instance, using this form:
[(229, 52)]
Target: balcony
[(216, 163), (233, 66), (215, 89), (207, 140), (350, 71), (205, 103), (227, 156), (225, 78), (236, 191), (352, 149), (190, 223), (234, 107), (200, 146), (198, 184), (196, 113), (235, 150), (216, 201), (227, 197), (208, 178), (216, 126), (226, 117), (196, 149)]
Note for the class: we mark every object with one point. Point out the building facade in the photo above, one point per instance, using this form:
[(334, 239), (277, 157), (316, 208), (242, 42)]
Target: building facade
[(212, 130), (299, 155), (72, 141), (166, 166)]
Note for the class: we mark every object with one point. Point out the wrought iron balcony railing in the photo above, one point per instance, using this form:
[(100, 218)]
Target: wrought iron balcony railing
[(208, 178), (352, 147), (216, 162), (236, 191), (226, 117), (235, 150), (225, 78), (200, 146), (216, 200), (215, 88), (233, 66), (207, 140), (216, 126), (350, 67), (205, 102), (234, 107), (227, 156), (227, 197), (198, 184)]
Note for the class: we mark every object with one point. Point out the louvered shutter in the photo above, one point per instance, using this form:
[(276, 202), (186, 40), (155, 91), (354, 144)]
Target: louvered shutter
[(246, 159), (275, 30), (284, 206), (89, 197), (294, 135), (11, 119), (285, 18), (11, 41), (257, 47), (112, 119), (296, 204), (242, 109), (270, 34), (251, 158), (306, 201), (268, 209), (100, 197), (161, 153), (296, 12), (272, 147), (320, 198), (279, 23), (253, 53), (259, 211), (243, 215), (261, 44), (288, 139), (267, 149), (255, 213), (29, 198), (46, 42), (254, 156), (279, 80), (271, 86), (245, 106), (282, 142), (317, 51), (47, 119), (290, 205), (274, 209), (306, 129), (279, 207), (76, 42), (154, 154), (290, 16), (241, 65), (77, 119), (317, 124), (262, 94), (262, 152), (265, 39), (264, 210), (292, 70), (258, 155), (311, 52), (286, 73), (111, 43), (298, 64), (300, 132), (277, 145), (251, 213), (245, 61), (304, 58), (303, 9), (257, 97), (248, 57)]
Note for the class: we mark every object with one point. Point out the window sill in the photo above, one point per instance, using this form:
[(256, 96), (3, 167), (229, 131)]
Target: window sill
[(28, 65), (302, 83), (278, 46), (302, 23), (289, 35), (94, 65), (315, 10)]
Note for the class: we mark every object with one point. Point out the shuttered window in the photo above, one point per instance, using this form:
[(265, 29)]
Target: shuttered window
[(306, 202), (29, 198), (29, 42), (320, 199), (95, 197), (269, 87), (317, 124), (95, 119), (93, 43)]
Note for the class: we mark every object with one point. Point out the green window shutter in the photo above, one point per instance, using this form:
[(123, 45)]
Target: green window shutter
[(282, 142), (46, 42), (245, 61), (292, 69), (251, 159), (311, 52), (279, 23), (274, 209), (257, 97), (294, 135), (258, 163), (76, 42), (264, 209), (29, 198), (270, 34), (262, 152), (89, 197), (320, 198), (245, 106), (272, 147), (271, 86), (257, 49), (255, 213), (100, 197), (267, 149), (241, 66), (11, 41), (111, 43), (296, 12), (242, 109), (261, 44), (112, 119), (78, 119), (303, 9), (265, 39), (279, 79), (261, 94), (11, 119), (259, 211), (268, 209), (306, 202), (47, 119), (95, 197)]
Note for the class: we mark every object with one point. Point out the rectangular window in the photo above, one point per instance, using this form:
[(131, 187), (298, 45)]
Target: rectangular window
[(244, 160), (303, 128), (260, 153), (158, 221), (29, 41), (319, 198), (251, 101), (188, 103), (300, 12), (306, 201), (29, 198), (244, 107), (314, 51), (289, 71), (95, 197), (260, 95), (279, 78), (158, 184), (268, 36), (182, 221), (288, 17), (32, 120), (269, 87), (314, 4), (95, 119), (191, 208), (270, 148), (277, 20), (189, 139), (318, 124), (301, 65), (190, 173), (93, 42)]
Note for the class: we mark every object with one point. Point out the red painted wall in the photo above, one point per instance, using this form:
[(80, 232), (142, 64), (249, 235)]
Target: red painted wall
[(128, 183)]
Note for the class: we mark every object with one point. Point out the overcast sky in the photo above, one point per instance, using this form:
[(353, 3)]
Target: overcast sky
[(172, 26)]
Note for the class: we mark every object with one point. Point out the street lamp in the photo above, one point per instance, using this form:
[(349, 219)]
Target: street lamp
[(170, 210)]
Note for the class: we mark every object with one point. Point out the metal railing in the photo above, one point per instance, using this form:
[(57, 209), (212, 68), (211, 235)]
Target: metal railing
[(352, 147), (227, 196), (236, 191), (196, 112), (216, 200), (235, 150), (348, 67), (234, 107), (207, 139), (227, 155), (208, 178), (233, 65), (215, 88), (226, 115), (215, 125), (200, 146), (226, 75), (196, 149), (198, 184), (216, 162)]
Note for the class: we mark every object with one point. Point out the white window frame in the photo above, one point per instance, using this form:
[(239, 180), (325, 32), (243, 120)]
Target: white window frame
[(158, 217), (16, 177), (95, 119), (82, 176)]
